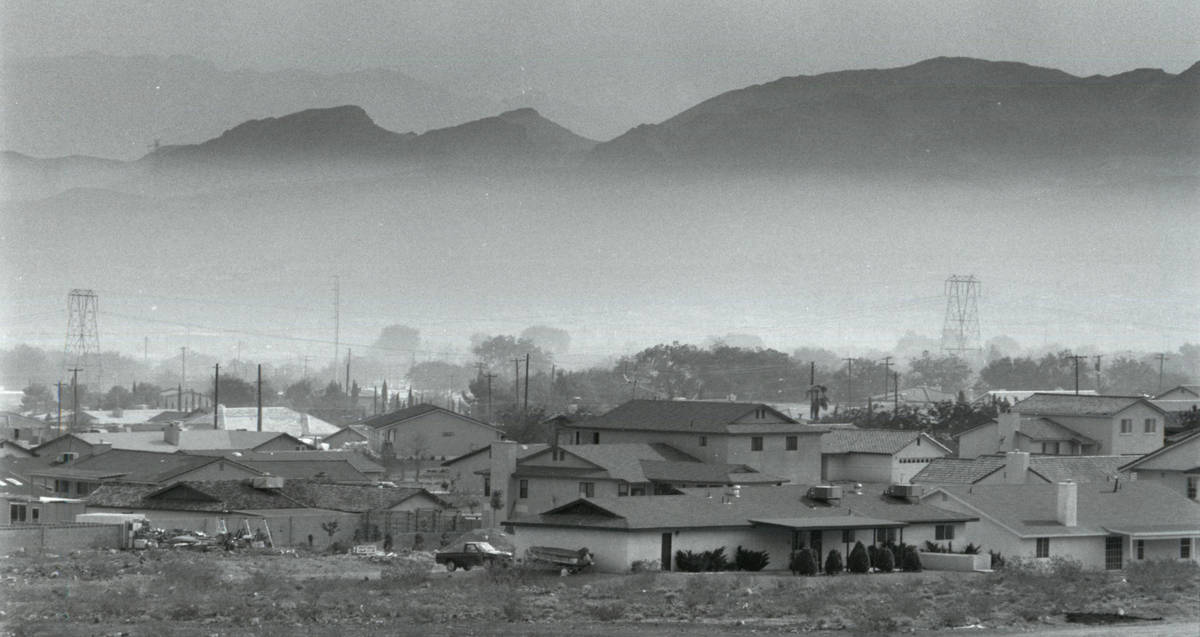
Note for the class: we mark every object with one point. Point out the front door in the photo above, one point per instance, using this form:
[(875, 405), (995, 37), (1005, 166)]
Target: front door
[(1112, 552), (666, 551)]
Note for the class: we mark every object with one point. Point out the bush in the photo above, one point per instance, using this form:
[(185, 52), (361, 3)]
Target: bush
[(886, 560), (1163, 575), (747, 560), (972, 549), (704, 561), (833, 563), (997, 559), (912, 559), (804, 562), (859, 561)]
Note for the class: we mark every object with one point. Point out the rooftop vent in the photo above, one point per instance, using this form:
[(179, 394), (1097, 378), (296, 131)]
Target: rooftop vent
[(825, 492), (905, 491)]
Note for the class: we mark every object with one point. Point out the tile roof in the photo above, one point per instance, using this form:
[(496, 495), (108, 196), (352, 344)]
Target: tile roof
[(881, 441), (695, 509), (1072, 405), (130, 466), (215, 497), (391, 418), (1029, 510), (1082, 469), (350, 497), (276, 419), (676, 415), (355, 460), (188, 439)]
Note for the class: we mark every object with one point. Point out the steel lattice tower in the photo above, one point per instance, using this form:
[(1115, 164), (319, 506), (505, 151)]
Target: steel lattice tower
[(82, 351), (960, 334)]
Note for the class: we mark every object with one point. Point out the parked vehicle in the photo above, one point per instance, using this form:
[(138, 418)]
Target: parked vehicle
[(474, 554), (573, 560)]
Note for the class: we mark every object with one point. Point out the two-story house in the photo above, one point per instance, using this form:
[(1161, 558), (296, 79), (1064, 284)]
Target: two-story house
[(1176, 466), (730, 433), (427, 431)]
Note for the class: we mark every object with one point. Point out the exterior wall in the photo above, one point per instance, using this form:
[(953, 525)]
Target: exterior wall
[(915, 456), (1160, 550), (859, 467), (1107, 431), (715, 449), (1174, 480), (463, 477), (282, 443), (980, 441), (58, 538), (343, 437), (802, 466), (547, 493), (435, 434), (610, 549), (48, 512), (63, 444)]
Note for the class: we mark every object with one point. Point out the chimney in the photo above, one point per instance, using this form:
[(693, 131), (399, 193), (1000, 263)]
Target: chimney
[(1016, 467), (504, 465), (171, 434), (1067, 503), (1009, 425)]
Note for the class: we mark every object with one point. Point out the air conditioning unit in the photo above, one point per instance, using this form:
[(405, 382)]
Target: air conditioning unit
[(825, 492), (268, 482), (905, 490)]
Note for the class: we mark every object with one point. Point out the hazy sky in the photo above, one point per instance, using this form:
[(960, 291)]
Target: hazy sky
[(651, 58)]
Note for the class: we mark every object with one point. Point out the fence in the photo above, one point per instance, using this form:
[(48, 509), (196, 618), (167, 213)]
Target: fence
[(377, 524), (59, 537)]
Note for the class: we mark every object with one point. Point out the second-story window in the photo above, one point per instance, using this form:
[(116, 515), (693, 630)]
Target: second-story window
[(1126, 425), (587, 489), (793, 443), (756, 443), (523, 489), (1151, 425)]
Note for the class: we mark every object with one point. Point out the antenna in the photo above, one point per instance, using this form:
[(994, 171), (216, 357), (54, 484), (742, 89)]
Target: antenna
[(960, 333), (337, 322), (82, 349)]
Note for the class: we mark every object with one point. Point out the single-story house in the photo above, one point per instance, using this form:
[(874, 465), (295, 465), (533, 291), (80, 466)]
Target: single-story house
[(1100, 525), (778, 520), (331, 466), (26, 509), (877, 455), (168, 440), (81, 477), (25, 430), (348, 436)]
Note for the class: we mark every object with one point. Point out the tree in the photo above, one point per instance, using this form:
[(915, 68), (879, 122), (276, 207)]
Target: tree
[(803, 562), (398, 341), (948, 373), (440, 376), (886, 562), (235, 392), (833, 563), (36, 397), (117, 397), (299, 395), (912, 559), (859, 561), (146, 394), (550, 339)]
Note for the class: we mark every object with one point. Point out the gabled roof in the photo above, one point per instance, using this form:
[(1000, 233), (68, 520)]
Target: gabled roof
[(353, 497), (1045, 429), (354, 460), (1187, 449), (617, 461), (1081, 469), (677, 415), (922, 395), (15, 447), (131, 466), (1029, 510), (275, 419), (524, 450), (877, 441), (215, 497), (13, 419), (1081, 405), (663, 471), (408, 413), (1185, 390), (122, 416), (188, 439)]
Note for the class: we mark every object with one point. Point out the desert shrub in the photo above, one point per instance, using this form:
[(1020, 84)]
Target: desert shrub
[(1163, 575), (833, 562), (972, 549), (885, 560), (997, 559), (337, 548), (514, 607), (688, 561), (803, 562), (748, 560), (607, 611), (930, 547), (645, 566), (703, 561), (859, 561), (405, 572), (912, 559)]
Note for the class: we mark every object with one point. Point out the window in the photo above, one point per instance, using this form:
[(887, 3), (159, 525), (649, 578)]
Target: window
[(1126, 425), (35, 514), (888, 536), (1043, 547), (756, 443), (523, 489), (487, 486), (638, 489), (62, 486), (577, 435), (847, 536), (587, 489), (16, 434), (1191, 488), (943, 532), (1141, 549), (622, 489), (595, 437), (559, 455), (1151, 425), (1050, 448), (793, 443), (83, 488), (16, 513), (703, 441), (1185, 548)]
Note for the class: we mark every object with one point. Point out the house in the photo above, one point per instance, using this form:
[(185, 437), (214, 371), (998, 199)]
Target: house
[(118, 418), (187, 400), (348, 436), (169, 440), (427, 431), (25, 509), (1176, 467), (1070, 425), (274, 419), (1020, 467), (1182, 392), (330, 466), (359, 498), (876, 455), (80, 477), (471, 473), (25, 430), (1011, 396), (728, 433), (1103, 526), (778, 520), (9, 448), (560, 474)]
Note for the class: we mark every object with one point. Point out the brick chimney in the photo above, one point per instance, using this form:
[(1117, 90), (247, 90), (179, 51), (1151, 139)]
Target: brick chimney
[(1016, 467), (1067, 504), (171, 434)]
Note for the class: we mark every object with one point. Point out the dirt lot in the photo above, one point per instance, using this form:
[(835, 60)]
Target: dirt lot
[(246, 593)]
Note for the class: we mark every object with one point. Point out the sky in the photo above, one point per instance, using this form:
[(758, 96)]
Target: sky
[(649, 59)]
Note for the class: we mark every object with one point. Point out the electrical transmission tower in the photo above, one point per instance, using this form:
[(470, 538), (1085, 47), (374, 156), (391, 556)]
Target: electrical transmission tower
[(960, 334), (82, 350)]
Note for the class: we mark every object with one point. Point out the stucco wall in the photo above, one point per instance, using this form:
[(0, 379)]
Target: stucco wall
[(435, 434), (1107, 431), (802, 466), (979, 441), (58, 538), (1173, 480), (859, 467), (547, 493)]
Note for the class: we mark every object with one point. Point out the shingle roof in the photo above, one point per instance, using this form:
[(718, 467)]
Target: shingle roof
[(1194, 390), (276, 419), (391, 418), (881, 441), (123, 417), (676, 415), (355, 460), (1030, 509), (1192, 440), (215, 496), (1038, 428), (188, 439), (1072, 405), (1082, 469), (349, 497), (130, 466), (696, 509), (704, 473)]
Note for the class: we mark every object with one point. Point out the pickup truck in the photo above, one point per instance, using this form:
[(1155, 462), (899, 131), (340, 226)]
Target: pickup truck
[(474, 554)]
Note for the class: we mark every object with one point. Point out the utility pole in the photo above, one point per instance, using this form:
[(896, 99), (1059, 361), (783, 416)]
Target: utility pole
[(887, 364), (216, 392), (896, 395), (337, 322), (347, 371), (849, 380), (145, 350), (306, 359), (59, 383), (516, 383), (489, 377), (74, 398), (260, 396), (1098, 357), (1076, 359), (526, 410), (1161, 358), (183, 364)]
